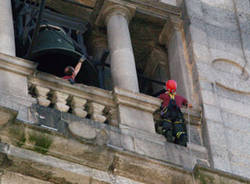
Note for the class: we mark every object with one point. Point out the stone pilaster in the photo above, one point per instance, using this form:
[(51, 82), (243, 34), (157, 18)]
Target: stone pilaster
[(14, 86), (7, 45), (172, 37), (116, 18)]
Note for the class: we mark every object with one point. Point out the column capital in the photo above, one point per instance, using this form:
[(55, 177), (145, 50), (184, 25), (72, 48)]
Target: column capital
[(173, 24), (111, 7)]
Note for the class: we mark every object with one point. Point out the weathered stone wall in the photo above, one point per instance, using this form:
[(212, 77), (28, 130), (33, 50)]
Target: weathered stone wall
[(32, 154), (218, 37)]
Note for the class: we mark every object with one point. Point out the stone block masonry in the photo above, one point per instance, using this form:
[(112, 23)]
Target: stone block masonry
[(217, 29)]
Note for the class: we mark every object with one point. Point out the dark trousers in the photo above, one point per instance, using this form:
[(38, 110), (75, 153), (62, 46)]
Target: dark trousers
[(174, 131)]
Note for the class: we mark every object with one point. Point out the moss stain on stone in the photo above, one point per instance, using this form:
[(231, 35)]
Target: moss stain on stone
[(204, 179), (18, 134), (41, 142)]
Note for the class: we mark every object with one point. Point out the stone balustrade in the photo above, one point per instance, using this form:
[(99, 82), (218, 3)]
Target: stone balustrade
[(133, 109), (130, 113), (83, 101)]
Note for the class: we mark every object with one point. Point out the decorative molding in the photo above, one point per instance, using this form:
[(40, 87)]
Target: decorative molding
[(231, 76)]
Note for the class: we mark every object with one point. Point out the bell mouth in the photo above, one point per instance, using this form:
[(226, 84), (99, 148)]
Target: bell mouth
[(54, 61)]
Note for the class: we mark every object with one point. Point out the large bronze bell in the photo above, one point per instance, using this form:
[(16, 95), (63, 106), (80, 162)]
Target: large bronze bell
[(54, 50)]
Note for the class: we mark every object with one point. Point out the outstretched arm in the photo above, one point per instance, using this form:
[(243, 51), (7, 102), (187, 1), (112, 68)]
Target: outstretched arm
[(185, 103), (79, 65)]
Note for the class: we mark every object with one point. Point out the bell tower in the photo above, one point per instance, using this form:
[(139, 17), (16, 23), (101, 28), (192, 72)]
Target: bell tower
[(103, 129)]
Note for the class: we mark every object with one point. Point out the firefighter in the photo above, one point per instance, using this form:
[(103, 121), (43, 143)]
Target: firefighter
[(71, 73), (173, 123)]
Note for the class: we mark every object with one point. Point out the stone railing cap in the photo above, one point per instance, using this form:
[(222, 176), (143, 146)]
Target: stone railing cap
[(17, 65), (136, 100)]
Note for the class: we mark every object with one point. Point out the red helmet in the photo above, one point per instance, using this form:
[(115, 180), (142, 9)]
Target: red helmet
[(171, 86)]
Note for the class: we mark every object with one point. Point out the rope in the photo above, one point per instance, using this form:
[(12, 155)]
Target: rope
[(189, 140)]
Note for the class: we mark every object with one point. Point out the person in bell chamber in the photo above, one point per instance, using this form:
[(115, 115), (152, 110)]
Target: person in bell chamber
[(71, 72)]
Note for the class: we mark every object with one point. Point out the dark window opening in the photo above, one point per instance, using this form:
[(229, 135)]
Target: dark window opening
[(59, 41)]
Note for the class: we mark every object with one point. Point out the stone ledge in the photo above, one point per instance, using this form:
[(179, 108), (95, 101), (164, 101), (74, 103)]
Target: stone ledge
[(136, 100), (125, 168), (208, 174), (18, 105), (17, 65), (7, 115)]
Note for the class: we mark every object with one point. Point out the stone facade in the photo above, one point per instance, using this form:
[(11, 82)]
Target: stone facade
[(54, 132), (218, 42)]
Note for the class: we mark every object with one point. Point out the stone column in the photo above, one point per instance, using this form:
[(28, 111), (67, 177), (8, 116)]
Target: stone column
[(14, 71), (7, 38), (171, 36), (123, 69)]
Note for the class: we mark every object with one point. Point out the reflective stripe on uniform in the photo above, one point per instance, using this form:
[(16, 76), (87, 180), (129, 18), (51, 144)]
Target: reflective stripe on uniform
[(179, 134)]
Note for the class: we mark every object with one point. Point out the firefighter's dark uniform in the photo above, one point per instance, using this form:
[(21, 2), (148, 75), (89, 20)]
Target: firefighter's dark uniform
[(173, 125)]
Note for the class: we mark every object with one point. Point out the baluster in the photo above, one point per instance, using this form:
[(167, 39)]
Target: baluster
[(112, 117), (78, 106), (42, 95), (59, 100), (96, 111)]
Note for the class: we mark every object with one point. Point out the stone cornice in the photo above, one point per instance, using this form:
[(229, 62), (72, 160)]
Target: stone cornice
[(136, 100), (160, 9), (17, 65), (154, 9)]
